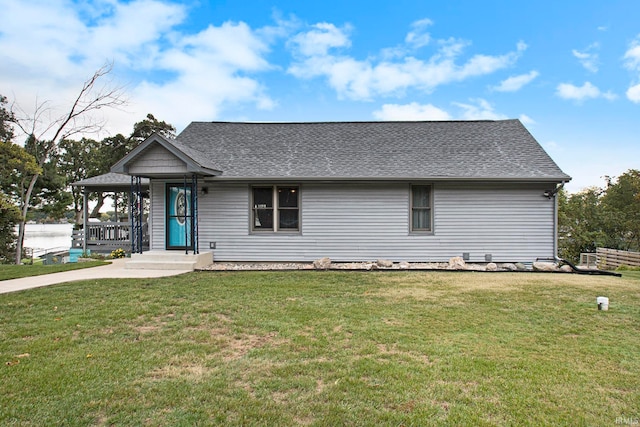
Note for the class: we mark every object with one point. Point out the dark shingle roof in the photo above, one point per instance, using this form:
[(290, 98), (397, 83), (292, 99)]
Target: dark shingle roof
[(109, 182), (492, 150)]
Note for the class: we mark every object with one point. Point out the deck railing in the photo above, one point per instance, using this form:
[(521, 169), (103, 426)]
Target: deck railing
[(107, 235)]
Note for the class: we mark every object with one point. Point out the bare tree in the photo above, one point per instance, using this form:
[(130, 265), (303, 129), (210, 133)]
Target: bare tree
[(77, 120)]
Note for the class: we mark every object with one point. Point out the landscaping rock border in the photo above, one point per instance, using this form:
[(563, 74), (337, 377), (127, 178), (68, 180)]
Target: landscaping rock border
[(455, 264)]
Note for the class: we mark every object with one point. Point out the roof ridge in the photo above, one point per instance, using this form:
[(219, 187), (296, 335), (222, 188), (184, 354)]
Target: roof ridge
[(351, 122)]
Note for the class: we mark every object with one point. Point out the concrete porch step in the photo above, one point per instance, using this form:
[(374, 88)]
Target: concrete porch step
[(169, 260)]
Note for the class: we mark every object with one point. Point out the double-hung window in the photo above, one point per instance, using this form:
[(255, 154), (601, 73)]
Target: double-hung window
[(275, 208), (421, 212)]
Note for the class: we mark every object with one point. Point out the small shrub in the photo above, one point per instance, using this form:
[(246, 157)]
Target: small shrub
[(118, 253), (624, 267)]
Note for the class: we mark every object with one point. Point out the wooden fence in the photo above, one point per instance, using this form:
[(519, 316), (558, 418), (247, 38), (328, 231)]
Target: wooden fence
[(610, 259)]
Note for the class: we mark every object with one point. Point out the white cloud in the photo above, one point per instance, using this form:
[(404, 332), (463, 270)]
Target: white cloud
[(418, 36), (526, 120), (209, 68), (232, 45), (569, 91), (410, 112), (582, 93), (363, 79), (476, 109), (451, 47), (632, 55), (480, 109), (552, 146), (515, 83), (609, 96), (588, 58), (632, 62), (321, 38), (175, 75), (64, 44), (633, 93)]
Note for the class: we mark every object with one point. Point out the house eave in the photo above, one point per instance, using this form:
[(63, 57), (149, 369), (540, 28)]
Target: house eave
[(201, 172), (557, 180)]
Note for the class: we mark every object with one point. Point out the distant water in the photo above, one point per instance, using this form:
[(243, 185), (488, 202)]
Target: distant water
[(47, 236)]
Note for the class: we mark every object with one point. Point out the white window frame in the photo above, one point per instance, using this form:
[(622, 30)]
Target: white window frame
[(427, 208), (276, 210)]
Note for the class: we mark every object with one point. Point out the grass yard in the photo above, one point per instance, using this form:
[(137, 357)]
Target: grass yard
[(9, 271), (323, 348)]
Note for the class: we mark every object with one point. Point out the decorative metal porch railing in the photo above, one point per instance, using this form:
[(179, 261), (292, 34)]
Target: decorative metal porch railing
[(135, 208)]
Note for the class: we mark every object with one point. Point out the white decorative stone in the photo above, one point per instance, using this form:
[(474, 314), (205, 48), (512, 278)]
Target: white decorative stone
[(566, 268), (404, 265), (545, 266), (492, 266), (384, 263), (510, 266), (322, 263), (457, 263)]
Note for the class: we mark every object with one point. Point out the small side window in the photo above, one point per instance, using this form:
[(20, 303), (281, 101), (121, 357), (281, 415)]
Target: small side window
[(421, 217)]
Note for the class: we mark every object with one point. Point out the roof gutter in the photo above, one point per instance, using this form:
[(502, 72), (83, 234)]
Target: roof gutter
[(556, 180)]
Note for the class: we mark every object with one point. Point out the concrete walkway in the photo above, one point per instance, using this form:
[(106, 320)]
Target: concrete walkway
[(114, 270)]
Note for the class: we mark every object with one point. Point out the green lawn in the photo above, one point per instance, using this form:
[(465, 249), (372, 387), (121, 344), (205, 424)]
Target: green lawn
[(323, 348), (8, 271)]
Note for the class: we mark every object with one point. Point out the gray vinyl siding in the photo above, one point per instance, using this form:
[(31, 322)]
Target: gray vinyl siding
[(156, 217), (356, 222), (157, 159)]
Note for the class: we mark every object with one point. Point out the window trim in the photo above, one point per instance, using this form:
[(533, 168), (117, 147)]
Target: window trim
[(276, 210), (430, 209)]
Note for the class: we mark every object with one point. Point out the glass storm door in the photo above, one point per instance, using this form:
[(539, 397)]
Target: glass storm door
[(179, 217)]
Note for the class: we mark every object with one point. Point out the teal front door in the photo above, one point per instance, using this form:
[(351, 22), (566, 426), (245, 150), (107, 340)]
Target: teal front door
[(179, 217)]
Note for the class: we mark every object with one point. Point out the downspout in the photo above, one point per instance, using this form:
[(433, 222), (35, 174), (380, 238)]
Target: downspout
[(555, 221)]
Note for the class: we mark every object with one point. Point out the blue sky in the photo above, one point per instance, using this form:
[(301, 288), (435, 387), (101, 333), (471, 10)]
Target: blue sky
[(569, 70)]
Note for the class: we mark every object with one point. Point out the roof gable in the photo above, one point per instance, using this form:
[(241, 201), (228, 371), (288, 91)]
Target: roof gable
[(157, 156)]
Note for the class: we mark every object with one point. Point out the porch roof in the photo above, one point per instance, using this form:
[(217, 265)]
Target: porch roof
[(110, 182)]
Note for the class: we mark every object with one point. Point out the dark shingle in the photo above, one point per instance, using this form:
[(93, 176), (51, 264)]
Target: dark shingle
[(501, 149), (111, 181)]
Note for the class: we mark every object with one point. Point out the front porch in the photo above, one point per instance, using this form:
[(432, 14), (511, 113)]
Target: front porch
[(130, 231)]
